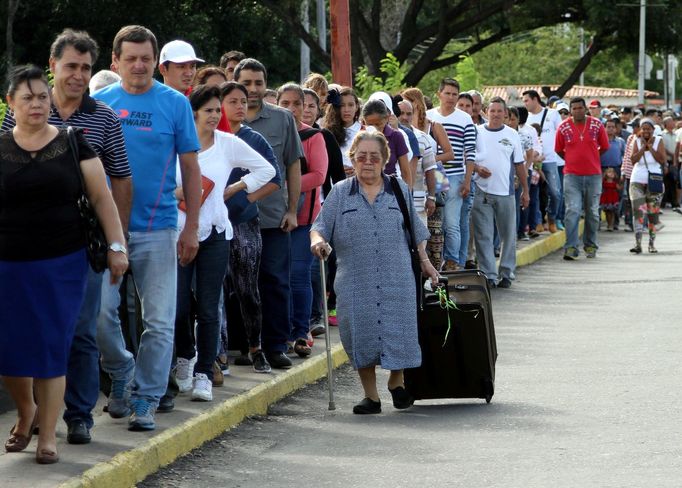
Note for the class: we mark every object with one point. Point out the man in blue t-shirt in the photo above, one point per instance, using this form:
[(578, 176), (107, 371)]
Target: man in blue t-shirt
[(158, 127)]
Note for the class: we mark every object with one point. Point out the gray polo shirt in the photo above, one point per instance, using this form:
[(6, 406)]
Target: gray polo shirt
[(279, 129)]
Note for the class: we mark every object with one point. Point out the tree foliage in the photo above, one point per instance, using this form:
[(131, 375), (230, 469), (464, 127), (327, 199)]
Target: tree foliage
[(391, 82), (429, 28), (212, 26)]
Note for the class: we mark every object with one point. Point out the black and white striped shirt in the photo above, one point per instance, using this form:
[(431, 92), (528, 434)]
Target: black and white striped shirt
[(461, 132), (101, 128)]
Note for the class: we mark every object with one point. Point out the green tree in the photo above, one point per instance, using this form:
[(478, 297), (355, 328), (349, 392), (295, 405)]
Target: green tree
[(426, 30), (545, 56), (392, 82), (212, 26)]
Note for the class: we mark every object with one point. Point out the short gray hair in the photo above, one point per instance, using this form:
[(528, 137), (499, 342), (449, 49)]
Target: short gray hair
[(476, 93), (102, 79)]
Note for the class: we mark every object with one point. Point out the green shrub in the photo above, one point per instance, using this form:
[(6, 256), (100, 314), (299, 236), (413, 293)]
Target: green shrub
[(3, 110), (394, 73)]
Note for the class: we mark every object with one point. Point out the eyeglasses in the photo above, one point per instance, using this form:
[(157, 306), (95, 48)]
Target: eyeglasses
[(362, 158)]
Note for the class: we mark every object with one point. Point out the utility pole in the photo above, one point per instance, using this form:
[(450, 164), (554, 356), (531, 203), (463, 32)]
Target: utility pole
[(582, 53), (305, 50), (642, 49), (342, 70), (666, 81), (322, 24)]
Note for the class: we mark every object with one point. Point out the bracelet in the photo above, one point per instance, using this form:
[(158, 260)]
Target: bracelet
[(431, 197), (423, 260)]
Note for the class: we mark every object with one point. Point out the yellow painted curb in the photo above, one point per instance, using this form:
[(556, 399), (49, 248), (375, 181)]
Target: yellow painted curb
[(130, 467), (540, 249)]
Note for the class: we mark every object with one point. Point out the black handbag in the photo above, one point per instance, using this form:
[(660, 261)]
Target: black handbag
[(95, 240), (655, 181), (414, 252)]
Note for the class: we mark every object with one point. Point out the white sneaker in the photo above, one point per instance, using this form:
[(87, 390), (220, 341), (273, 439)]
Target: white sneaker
[(183, 373), (202, 391)]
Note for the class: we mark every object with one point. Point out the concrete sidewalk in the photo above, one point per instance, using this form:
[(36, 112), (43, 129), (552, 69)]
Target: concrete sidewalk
[(119, 458)]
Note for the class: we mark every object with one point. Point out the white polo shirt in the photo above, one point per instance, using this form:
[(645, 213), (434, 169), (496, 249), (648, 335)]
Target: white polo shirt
[(498, 150)]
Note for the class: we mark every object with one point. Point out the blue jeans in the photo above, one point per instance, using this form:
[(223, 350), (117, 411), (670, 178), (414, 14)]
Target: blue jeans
[(562, 206), (467, 205), (492, 211), (275, 289), (452, 219), (553, 189), (82, 375), (528, 217), (210, 266), (301, 287), (579, 189), (153, 262)]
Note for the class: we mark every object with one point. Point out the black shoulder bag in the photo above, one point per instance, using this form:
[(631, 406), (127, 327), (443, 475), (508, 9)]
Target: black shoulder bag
[(412, 242), (95, 240)]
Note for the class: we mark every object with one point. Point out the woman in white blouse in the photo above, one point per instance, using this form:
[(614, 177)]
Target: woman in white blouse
[(220, 153), (648, 156)]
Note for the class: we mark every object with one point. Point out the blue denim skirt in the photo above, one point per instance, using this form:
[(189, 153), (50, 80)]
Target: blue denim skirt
[(39, 304)]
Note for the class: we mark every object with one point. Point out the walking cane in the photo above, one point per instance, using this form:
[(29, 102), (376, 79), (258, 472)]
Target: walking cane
[(327, 337)]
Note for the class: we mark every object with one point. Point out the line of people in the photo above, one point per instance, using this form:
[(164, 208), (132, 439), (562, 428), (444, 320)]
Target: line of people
[(216, 192)]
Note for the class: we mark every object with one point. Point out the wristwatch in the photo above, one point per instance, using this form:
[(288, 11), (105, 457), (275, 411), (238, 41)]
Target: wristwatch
[(118, 247), (431, 197)]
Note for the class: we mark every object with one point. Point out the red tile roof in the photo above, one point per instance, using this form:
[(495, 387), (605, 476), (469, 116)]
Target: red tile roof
[(587, 92)]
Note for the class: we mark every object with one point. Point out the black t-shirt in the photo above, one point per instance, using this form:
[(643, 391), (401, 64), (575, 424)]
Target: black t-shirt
[(39, 218)]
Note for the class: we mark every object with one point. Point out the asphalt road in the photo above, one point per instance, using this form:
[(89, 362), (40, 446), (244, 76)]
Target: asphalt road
[(587, 394)]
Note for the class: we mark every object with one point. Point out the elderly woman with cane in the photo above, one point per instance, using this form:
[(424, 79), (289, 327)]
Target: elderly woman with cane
[(375, 286)]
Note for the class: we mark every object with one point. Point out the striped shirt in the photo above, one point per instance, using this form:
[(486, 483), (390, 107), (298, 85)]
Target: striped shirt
[(462, 134), (101, 128)]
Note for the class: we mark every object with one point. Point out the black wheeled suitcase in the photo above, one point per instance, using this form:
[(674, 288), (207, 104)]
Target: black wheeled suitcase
[(459, 355)]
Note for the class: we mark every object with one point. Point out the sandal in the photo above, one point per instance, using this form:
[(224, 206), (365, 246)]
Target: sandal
[(302, 348)]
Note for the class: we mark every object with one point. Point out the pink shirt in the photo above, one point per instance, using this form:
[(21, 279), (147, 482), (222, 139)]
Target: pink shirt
[(315, 151)]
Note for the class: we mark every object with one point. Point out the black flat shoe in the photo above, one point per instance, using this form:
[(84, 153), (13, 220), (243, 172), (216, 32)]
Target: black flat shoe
[(78, 432), (278, 360), (401, 398), (367, 406), (166, 404)]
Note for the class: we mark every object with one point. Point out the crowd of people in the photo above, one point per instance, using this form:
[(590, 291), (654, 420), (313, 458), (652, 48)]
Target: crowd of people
[(225, 190)]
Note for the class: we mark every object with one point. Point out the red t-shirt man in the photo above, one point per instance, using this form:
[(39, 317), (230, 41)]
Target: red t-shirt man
[(579, 140), (580, 143)]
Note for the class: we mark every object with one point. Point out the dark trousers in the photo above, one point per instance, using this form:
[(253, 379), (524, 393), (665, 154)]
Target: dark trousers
[(82, 374), (245, 259), (275, 289), (210, 267), (316, 309)]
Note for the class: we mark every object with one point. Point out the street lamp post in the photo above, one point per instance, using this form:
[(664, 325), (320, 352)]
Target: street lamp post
[(642, 47)]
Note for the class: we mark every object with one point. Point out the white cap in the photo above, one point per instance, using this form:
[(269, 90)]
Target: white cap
[(384, 97), (178, 52), (562, 106)]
